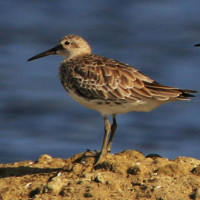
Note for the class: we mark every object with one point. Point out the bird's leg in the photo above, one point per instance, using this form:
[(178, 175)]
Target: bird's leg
[(105, 140), (113, 129)]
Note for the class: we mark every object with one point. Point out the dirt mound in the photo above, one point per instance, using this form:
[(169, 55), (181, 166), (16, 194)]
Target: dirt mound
[(123, 176)]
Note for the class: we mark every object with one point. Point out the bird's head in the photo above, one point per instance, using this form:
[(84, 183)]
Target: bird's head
[(69, 46)]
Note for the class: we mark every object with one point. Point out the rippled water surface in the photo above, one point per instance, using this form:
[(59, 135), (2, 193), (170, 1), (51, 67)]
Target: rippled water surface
[(36, 115)]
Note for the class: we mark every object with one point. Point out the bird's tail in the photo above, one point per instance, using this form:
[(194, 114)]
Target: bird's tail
[(185, 94), (162, 92)]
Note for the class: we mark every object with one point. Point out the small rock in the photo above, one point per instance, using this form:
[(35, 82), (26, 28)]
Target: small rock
[(88, 193), (196, 194), (65, 192), (44, 159), (170, 169), (196, 171), (34, 192), (132, 155), (133, 170), (79, 182), (55, 185), (99, 179), (77, 168)]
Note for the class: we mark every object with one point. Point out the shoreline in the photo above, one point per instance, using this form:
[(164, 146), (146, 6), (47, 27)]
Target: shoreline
[(125, 175)]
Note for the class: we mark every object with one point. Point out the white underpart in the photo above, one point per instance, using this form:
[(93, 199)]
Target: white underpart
[(112, 108)]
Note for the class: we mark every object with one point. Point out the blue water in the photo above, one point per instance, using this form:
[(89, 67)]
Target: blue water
[(36, 115)]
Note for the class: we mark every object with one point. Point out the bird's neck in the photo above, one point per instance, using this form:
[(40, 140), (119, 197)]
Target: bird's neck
[(75, 56)]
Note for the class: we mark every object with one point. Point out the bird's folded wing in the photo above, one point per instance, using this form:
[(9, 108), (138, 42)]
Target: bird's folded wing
[(107, 79)]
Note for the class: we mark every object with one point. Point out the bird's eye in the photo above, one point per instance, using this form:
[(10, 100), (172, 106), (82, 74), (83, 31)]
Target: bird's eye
[(67, 42)]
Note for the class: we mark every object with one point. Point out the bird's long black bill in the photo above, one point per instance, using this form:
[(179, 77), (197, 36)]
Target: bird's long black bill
[(44, 53), (197, 45)]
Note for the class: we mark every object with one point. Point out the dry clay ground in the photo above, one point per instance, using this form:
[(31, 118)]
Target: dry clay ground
[(123, 176)]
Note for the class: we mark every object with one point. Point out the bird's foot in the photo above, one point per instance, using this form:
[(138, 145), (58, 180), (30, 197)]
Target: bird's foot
[(99, 157)]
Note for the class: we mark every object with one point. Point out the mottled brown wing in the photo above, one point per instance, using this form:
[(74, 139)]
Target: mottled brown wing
[(96, 77)]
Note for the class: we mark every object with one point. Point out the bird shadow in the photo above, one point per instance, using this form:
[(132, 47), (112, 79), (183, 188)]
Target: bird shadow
[(6, 172)]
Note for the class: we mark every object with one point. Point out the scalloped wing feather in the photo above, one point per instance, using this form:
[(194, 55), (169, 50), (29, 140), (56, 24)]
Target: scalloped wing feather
[(96, 77)]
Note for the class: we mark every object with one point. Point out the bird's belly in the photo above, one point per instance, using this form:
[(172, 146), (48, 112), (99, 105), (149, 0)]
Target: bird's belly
[(110, 107)]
